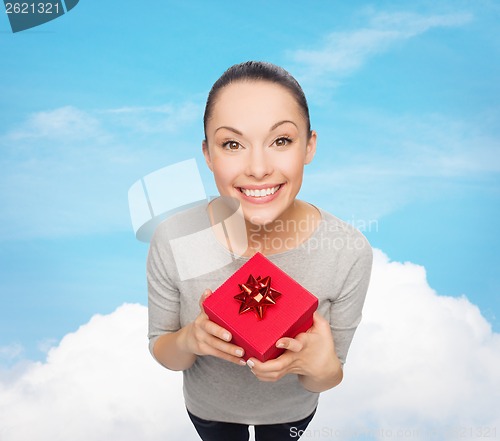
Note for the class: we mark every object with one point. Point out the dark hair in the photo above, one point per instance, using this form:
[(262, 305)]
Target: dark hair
[(257, 71)]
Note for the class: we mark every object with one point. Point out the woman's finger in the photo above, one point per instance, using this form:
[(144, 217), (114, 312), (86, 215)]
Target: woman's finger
[(217, 331), (222, 346), (290, 344), (228, 357), (205, 294), (268, 371)]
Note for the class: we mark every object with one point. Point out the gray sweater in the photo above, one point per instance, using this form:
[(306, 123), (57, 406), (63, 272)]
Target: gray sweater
[(334, 264)]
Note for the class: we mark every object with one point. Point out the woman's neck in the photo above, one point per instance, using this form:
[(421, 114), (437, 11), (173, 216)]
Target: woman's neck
[(241, 237)]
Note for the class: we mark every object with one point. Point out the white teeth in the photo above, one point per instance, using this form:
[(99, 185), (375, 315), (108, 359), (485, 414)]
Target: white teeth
[(260, 193)]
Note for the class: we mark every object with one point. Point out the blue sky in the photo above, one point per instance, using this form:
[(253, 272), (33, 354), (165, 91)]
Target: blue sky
[(404, 97)]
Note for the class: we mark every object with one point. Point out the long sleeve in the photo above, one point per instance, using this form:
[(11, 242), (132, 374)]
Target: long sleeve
[(346, 309), (163, 296)]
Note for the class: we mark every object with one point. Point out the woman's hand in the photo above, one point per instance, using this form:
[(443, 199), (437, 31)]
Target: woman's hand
[(310, 354), (204, 337)]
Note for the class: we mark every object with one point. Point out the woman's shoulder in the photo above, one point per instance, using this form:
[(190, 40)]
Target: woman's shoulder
[(185, 221), (344, 235), (337, 224)]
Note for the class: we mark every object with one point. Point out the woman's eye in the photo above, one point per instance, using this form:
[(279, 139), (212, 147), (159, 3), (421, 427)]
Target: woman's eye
[(282, 142), (231, 145)]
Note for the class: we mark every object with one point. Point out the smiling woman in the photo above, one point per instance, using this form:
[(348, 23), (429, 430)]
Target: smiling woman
[(257, 142)]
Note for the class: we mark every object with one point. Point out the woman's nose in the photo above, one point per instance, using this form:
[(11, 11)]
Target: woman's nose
[(259, 163)]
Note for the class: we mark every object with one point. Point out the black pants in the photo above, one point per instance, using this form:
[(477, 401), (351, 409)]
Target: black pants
[(219, 431)]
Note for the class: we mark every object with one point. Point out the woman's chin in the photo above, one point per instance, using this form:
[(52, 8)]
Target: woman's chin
[(261, 219)]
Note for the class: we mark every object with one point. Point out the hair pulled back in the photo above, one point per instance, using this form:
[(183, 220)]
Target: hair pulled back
[(257, 71)]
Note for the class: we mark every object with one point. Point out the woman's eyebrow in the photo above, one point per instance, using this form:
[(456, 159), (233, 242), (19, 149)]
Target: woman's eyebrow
[(279, 123), (230, 129), (282, 122)]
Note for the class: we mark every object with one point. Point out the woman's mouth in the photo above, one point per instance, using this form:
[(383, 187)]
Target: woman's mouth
[(260, 195)]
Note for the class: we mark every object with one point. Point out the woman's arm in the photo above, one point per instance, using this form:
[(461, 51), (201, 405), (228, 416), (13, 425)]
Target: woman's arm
[(178, 350), (325, 370), (173, 346), (169, 350), (311, 355)]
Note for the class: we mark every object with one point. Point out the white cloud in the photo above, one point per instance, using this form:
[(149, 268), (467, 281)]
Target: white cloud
[(68, 123), (99, 383), (387, 161), (419, 361), (11, 352), (46, 344), (342, 53), (397, 159), (66, 171), (167, 118), (435, 145)]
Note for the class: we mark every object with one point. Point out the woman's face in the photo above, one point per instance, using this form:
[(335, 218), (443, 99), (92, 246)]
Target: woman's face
[(257, 146)]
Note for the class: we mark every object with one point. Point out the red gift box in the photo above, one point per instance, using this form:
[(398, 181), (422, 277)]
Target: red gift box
[(288, 307)]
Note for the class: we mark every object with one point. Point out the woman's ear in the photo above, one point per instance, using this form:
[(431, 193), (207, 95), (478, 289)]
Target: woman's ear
[(206, 153), (311, 147)]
